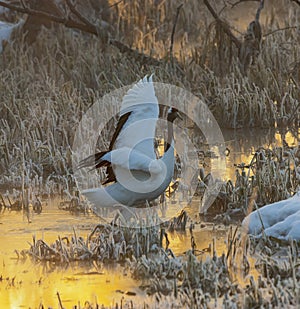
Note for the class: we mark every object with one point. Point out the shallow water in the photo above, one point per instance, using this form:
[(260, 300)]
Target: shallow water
[(243, 144), (34, 284)]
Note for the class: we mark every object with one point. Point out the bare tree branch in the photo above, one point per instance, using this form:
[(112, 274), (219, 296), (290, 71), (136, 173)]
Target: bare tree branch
[(77, 14), (261, 6), (280, 29), (84, 26), (212, 11), (296, 1), (70, 23), (241, 1), (225, 27)]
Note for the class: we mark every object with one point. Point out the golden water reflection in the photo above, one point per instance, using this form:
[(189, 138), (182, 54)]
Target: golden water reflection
[(243, 144), (204, 238), (35, 284), (27, 284)]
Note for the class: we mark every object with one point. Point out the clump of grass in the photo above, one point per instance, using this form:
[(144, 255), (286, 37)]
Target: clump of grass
[(270, 176), (190, 280), (106, 243)]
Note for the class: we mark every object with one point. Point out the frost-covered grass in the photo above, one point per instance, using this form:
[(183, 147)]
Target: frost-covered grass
[(45, 88), (192, 280)]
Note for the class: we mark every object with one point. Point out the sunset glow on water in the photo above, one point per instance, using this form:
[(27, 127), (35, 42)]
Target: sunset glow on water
[(26, 283)]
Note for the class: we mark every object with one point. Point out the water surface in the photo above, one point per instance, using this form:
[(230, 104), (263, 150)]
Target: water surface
[(26, 284), (36, 283)]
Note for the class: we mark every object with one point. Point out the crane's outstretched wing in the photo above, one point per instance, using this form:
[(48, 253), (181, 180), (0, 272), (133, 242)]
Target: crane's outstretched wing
[(135, 128), (138, 131)]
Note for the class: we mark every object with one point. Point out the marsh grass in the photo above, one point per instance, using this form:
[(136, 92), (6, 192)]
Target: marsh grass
[(271, 175), (189, 280), (45, 88)]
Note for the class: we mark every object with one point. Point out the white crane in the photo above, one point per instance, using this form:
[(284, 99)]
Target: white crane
[(131, 161)]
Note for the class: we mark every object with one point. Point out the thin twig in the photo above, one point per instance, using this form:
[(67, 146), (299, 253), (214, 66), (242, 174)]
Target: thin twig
[(112, 5), (59, 300), (231, 243), (296, 1), (23, 4), (212, 11), (222, 9), (280, 29), (238, 2), (260, 218), (293, 114), (173, 31), (9, 201), (3, 200), (77, 14)]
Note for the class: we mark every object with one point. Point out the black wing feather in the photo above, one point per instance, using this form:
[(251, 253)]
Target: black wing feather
[(95, 160)]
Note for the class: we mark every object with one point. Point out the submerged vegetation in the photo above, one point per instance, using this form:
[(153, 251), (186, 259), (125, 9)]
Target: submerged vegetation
[(196, 279), (46, 86)]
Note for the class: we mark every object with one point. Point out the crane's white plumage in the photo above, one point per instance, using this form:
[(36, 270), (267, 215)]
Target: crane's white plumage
[(131, 159), (280, 219), (139, 129), (117, 193), (141, 93), (138, 174)]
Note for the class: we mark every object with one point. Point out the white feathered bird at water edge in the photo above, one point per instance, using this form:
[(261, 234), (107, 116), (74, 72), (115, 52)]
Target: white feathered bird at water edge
[(137, 176), (280, 220)]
